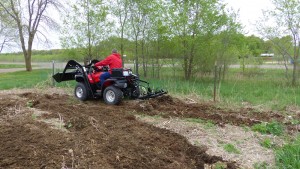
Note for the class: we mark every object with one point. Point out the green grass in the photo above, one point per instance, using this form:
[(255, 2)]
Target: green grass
[(288, 156), (267, 87), (267, 143), (207, 123), (274, 128), (10, 66), (24, 79), (231, 149)]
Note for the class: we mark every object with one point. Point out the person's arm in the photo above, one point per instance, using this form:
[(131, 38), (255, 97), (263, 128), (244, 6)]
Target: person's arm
[(104, 62)]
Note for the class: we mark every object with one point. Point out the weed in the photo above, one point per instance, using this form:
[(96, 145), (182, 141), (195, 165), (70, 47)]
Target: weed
[(289, 155), (194, 120), (29, 104), (34, 116), (231, 148), (274, 128), (220, 165), (267, 143), (209, 124)]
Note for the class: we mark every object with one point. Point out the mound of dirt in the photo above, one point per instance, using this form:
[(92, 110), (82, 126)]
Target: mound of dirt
[(94, 135), (167, 106)]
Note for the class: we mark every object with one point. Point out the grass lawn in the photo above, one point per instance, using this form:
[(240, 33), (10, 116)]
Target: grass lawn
[(10, 66), (23, 79)]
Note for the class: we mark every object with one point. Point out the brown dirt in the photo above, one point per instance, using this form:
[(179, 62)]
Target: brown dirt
[(95, 135), (89, 135)]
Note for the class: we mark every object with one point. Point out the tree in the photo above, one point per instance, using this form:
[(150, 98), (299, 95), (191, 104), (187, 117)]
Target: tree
[(28, 18), (121, 12), (87, 31), (284, 20), (195, 23), (7, 36)]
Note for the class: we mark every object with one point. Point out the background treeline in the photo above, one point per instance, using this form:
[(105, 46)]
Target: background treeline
[(195, 36)]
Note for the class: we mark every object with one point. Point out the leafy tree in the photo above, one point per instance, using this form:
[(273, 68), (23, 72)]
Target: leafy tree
[(196, 23), (284, 20), (85, 26), (28, 17), (120, 9)]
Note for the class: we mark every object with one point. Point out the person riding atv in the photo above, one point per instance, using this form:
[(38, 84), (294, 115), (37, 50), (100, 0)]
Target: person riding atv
[(121, 83), (113, 61)]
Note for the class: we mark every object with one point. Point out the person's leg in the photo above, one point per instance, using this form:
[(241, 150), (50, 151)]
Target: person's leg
[(103, 77)]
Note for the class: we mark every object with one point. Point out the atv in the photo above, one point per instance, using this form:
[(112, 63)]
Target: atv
[(122, 83)]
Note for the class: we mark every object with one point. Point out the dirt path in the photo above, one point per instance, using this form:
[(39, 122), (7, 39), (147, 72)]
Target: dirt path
[(50, 129)]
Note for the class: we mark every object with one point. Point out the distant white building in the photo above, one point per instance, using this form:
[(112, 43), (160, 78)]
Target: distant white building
[(267, 55)]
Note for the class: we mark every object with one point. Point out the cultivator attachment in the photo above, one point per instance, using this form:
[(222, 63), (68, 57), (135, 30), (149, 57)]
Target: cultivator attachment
[(146, 92), (153, 94)]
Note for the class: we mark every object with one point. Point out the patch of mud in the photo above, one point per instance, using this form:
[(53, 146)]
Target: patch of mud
[(98, 136)]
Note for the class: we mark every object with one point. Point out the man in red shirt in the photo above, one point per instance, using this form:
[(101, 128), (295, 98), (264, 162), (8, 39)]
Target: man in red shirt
[(113, 61)]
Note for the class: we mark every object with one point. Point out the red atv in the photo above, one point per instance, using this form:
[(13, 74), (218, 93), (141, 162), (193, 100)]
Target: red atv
[(122, 83)]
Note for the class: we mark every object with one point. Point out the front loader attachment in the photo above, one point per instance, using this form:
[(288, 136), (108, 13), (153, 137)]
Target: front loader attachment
[(72, 68)]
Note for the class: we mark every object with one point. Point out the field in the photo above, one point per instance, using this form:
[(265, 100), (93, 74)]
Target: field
[(51, 129), (46, 127)]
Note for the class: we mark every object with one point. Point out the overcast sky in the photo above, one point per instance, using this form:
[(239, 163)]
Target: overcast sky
[(249, 11)]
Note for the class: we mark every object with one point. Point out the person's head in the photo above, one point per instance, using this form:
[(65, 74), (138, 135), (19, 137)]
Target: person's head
[(114, 51)]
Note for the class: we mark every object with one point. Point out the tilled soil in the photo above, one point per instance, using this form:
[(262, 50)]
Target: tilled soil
[(88, 135), (39, 130)]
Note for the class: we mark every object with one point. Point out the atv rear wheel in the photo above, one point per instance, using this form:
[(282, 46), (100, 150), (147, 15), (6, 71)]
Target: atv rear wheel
[(112, 95), (81, 92)]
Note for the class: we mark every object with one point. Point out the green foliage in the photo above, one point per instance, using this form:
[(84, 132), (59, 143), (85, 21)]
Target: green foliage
[(288, 156), (274, 128), (231, 148), (87, 31)]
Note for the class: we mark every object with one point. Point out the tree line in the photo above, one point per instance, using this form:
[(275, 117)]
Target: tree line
[(195, 35)]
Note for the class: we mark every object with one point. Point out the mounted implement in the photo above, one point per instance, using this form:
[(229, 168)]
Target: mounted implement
[(122, 83)]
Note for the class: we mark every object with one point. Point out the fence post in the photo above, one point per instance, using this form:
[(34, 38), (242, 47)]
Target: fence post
[(53, 66)]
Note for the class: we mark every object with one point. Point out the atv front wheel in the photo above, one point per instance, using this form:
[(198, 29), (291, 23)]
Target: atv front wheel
[(112, 95), (81, 92)]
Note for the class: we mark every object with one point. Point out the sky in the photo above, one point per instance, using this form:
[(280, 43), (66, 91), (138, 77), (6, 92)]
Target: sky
[(249, 12)]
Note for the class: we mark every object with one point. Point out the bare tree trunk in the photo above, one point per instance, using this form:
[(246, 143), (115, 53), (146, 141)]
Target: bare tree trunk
[(36, 10)]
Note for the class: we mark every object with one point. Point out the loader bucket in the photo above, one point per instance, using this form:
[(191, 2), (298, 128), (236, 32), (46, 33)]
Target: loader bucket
[(69, 72)]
